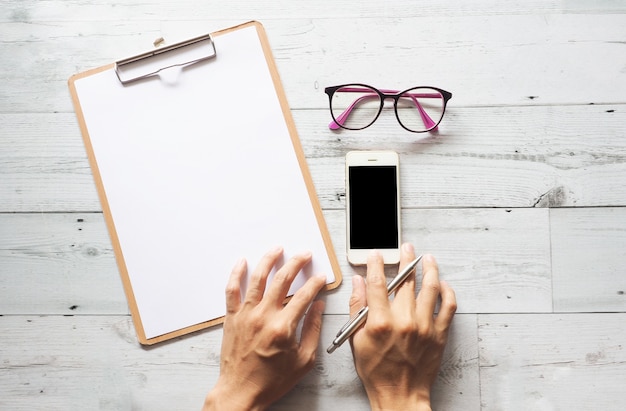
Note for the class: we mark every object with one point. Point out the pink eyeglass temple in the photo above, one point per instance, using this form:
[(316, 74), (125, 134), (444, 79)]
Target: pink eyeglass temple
[(428, 122)]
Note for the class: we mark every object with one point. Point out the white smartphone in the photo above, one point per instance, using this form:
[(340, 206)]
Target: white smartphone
[(373, 205)]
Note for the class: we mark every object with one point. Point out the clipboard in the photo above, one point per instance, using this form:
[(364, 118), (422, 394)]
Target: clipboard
[(197, 163)]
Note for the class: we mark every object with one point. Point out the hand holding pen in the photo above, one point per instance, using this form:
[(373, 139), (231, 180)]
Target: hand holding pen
[(359, 318), (399, 350)]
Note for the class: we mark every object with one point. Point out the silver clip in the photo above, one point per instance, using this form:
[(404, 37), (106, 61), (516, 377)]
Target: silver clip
[(177, 55)]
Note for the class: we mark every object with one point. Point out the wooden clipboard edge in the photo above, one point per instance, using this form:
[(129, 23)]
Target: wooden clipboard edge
[(106, 210), (321, 221), (297, 146)]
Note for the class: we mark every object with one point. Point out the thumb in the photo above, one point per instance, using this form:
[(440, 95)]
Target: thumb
[(358, 298)]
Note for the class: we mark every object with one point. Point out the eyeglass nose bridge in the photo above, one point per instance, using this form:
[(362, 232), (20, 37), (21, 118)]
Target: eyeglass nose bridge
[(385, 96)]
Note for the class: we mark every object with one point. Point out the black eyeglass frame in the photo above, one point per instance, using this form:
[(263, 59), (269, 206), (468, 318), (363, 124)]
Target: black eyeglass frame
[(384, 95)]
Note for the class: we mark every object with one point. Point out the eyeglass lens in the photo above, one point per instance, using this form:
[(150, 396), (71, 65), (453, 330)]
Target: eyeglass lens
[(356, 107), (420, 109)]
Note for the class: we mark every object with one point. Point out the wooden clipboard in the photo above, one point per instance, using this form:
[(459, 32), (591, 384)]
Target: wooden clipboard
[(197, 166)]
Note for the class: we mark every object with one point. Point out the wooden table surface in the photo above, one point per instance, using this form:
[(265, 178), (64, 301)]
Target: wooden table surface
[(521, 196)]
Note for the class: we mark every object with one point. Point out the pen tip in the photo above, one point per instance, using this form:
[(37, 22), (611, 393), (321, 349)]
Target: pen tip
[(331, 349)]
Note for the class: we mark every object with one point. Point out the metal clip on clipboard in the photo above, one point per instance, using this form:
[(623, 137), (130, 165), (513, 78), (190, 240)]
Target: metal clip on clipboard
[(154, 62)]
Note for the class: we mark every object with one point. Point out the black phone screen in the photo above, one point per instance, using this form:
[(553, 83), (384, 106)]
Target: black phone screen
[(373, 207)]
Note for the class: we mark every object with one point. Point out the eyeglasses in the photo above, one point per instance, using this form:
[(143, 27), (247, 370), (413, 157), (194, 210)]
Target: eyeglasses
[(357, 106)]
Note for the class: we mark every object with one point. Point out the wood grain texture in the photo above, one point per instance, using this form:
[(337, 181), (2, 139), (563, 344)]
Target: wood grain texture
[(106, 369), (588, 255), (505, 59), (482, 157), (58, 264), (498, 260), (552, 362), (103, 10)]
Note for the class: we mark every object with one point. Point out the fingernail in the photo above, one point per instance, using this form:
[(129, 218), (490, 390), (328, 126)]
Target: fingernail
[(408, 247), (374, 253)]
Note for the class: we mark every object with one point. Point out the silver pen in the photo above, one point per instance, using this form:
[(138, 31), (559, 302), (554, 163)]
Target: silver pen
[(355, 322)]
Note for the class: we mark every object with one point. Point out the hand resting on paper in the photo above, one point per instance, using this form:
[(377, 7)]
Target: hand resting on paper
[(262, 357)]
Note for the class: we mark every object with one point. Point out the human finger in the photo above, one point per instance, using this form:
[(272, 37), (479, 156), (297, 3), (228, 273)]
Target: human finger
[(298, 304), (447, 308), (258, 279), (429, 293), (283, 278), (311, 329), (358, 298), (233, 287), (405, 295), (376, 292)]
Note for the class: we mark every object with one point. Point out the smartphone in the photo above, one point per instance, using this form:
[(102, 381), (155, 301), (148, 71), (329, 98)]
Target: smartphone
[(373, 205)]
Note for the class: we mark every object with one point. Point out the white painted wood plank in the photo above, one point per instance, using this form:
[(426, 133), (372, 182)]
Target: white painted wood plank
[(497, 261), (95, 363), (103, 10), (552, 362), (482, 157), (44, 165), (58, 264), (483, 60), (588, 259), (458, 382), (505, 59)]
